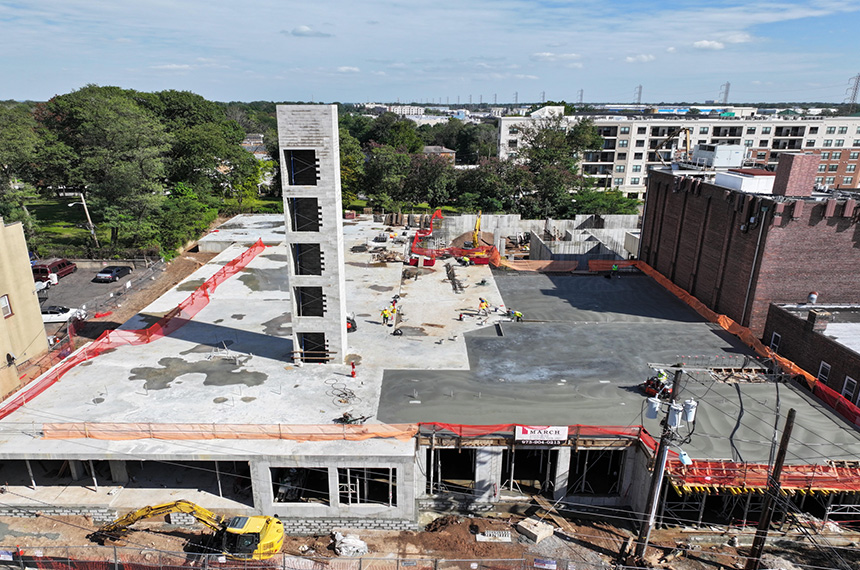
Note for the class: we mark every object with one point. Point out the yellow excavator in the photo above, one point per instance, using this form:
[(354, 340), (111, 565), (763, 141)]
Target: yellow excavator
[(239, 538)]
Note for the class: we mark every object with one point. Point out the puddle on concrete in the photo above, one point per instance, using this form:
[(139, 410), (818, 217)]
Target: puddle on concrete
[(264, 279), (248, 398), (218, 321), (98, 400), (279, 326), (353, 358), (279, 232), (277, 257), (357, 264), (218, 372), (413, 331), (380, 288), (237, 316), (219, 400), (87, 363), (363, 315), (191, 284), (207, 348)]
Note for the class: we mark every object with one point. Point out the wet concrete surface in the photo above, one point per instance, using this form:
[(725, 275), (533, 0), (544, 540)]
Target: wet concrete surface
[(218, 371)]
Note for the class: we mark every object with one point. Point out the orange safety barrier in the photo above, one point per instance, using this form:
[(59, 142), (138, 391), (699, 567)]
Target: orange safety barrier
[(739, 478), (167, 324), (606, 264), (574, 431), (167, 431), (546, 265)]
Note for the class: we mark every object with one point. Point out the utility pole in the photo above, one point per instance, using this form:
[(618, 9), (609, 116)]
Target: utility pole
[(773, 489), (543, 96), (855, 90), (494, 100), (90, 225), (657, 475), (581, 91), (516, 98), (637, 94)]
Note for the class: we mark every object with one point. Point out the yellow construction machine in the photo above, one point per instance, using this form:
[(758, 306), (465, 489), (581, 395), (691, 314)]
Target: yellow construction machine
[(239, 538)]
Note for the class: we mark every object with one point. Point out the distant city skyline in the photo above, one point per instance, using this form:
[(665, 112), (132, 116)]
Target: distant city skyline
[(394, 50)]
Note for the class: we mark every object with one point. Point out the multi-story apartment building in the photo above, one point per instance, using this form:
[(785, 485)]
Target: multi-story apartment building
[(631, 143)]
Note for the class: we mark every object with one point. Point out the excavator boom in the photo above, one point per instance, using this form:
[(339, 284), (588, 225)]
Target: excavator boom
[(120, 526)]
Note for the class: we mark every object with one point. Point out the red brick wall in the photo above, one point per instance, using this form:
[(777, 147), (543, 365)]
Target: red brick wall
[(692, 234), (808, 349), (795, 174)]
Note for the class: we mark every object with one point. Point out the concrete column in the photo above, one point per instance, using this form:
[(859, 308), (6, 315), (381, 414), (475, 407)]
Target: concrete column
[(488, 474), (261, 487), (76, 469), (562, 473), (118, 471), (422, 473)]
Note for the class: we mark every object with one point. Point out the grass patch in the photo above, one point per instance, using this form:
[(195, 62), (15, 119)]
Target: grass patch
[(61, 221)]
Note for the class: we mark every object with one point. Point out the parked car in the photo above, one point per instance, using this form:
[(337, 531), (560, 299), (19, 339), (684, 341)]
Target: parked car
[(58, 314), (112, 273), (60, 267)]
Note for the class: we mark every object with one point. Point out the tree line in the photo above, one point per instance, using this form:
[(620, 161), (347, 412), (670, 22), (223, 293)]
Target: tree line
[(157, 168)]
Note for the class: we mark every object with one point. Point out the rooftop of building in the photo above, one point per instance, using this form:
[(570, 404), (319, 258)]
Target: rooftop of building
[(843, 321), (585, 346)]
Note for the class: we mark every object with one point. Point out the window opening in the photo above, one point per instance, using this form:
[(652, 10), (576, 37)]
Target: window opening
[(774, 341), (313, 347), (849, 389), (302, 167), (305, 214), (300, 485), (310, 301), (367, 485), (307, 258), (824, 372)]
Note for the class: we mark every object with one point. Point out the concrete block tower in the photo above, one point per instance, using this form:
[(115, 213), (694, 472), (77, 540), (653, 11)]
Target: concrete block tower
[(310, 180)]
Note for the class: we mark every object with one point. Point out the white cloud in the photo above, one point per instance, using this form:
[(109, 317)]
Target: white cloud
[(670, 49), (306, 32), (172, 66), (348, 69), (708, 44), (641, 58), (738, 38), (553, 57)]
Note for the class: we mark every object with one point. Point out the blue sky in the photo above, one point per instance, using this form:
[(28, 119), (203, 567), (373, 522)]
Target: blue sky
[(389, 50)]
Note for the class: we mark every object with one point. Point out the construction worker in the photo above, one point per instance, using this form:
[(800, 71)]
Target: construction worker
[(483, 306), (386, 314), (615, 270), (518, 316), (662, 377)]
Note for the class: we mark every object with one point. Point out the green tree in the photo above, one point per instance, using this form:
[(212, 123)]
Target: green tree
[(592, 201), (183, 216), (117, 156), (351, 166), (430, 178), (401, 134), (384, 173), (18, 143)]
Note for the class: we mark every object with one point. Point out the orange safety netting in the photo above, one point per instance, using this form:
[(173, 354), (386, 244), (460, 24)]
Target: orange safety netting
[(547, 265), (739, 478), (575, 431), (112, 339), (120, 431)]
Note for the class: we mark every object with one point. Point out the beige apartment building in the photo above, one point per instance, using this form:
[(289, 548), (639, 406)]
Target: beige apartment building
[(22, 333), (631, 143)]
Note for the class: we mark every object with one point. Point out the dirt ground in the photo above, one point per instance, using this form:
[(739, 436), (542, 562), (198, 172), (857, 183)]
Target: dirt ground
[(136, 300), (595, 544)]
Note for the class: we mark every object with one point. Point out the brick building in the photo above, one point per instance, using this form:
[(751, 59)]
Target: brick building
[(824, 340), (738, 251)]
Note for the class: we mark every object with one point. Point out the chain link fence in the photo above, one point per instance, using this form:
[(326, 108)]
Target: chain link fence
[(124, 558)]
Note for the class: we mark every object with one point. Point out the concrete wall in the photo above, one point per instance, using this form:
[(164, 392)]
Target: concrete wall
[(314, 127), (693, 234), (637, 479), (22, 333)]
